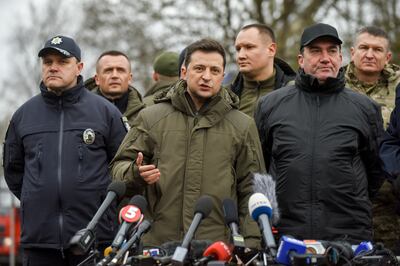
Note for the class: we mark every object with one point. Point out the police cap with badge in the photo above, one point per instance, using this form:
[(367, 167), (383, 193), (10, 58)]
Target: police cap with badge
[(62, 44)]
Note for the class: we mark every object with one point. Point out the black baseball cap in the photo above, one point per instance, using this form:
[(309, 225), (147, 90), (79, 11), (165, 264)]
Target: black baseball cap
[(316, 31), (62, 44)]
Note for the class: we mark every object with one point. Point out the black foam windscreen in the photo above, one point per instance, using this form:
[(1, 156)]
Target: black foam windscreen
[(118, 187), (204, 205), (230, 211), (139, 201)]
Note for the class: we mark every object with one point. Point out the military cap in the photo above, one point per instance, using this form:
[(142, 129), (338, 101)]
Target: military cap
[(166, 64)]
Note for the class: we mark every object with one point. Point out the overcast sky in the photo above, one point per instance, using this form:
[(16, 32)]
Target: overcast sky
[(7, 19)]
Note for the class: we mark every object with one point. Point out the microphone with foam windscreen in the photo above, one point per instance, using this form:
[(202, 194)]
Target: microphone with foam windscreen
[(84, 238), (202, 209), (217, 251), (232, 220), (142, 229), (265, 184), (131, 215), (261, 211)]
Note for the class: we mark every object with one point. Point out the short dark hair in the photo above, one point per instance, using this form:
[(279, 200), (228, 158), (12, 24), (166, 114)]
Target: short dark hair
[(374, 31), (204, 45), (262, 29), (112, 53)]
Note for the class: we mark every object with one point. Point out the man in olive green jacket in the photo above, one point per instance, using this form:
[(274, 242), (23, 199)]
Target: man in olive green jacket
[(166, 73), (192, 142), (112, 81)]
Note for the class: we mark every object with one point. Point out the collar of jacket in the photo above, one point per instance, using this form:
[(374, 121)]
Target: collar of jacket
[(309, 83), (390, 74), (255, 84), (68, 97), (135, 102), (158, 86), (283, 74), (213, 111), (121, 103)]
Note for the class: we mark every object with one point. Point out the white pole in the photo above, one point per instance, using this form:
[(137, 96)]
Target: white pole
[(12, 231)]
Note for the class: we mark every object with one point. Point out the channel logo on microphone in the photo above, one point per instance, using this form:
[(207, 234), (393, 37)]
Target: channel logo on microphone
[(130, 214)]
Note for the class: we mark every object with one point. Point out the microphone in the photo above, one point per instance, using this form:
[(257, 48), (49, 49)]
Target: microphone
[(265, 184), (202, 210), (84, 238), (287, 248), (142, 229), (131, 215), (216, 251), (232, 220), (260, 210)]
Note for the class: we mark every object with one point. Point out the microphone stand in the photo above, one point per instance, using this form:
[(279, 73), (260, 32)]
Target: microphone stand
[(93, 254)]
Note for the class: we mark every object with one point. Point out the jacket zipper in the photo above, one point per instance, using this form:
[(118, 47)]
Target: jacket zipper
[(189, 134), (312, 167), (80, 153), (59, 175)]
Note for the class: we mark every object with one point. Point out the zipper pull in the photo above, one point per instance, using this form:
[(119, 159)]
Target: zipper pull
[(62, 253)]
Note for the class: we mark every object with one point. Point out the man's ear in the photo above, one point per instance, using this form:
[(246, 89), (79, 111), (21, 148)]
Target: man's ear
[(96, 79), (272, 49), (300, 60), (80, 67), (155, 76), (388, 57), (183, 72), (352, 52)]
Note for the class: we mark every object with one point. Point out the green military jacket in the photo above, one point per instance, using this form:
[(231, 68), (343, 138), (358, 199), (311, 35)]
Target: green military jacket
[(213, 151), (157, 87), (383, 91), (135, 102)]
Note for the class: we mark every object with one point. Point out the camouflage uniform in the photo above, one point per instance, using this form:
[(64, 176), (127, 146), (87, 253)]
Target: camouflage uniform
[(383, 91), (386, 221)]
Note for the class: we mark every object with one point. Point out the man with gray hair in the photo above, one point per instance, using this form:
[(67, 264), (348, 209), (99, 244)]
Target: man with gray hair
[(371, 73)]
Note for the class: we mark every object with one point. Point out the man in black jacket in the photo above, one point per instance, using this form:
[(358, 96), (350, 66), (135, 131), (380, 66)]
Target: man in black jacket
[(321, 142), (260, 72), (56, 154)]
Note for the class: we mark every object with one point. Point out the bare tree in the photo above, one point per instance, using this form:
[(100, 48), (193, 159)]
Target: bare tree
[(38, 24)]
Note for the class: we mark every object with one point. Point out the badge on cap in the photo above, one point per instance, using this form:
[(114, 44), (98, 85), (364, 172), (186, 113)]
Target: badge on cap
[(89, 136), (56, 40)]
